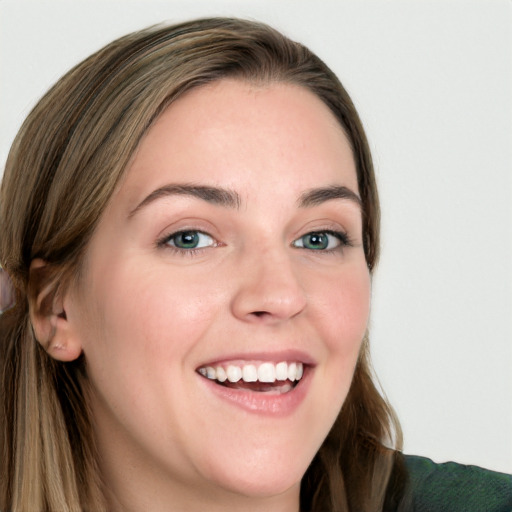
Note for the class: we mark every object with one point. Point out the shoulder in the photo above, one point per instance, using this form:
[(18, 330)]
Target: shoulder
[(455, 487)]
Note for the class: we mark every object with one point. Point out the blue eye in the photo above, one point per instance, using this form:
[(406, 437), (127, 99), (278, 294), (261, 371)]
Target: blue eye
[(189, 240), (321, 240)]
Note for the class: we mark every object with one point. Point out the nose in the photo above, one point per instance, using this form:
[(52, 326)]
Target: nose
[(269, 290)]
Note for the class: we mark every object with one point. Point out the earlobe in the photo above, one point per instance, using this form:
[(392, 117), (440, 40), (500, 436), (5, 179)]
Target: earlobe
[(51, 326)]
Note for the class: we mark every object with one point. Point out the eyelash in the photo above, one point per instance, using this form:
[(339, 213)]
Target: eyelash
[(164, 242), (342, 237)]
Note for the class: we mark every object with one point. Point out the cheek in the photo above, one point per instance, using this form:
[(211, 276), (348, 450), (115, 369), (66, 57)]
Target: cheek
[(179, 304), (343, 313), (139, 338), (150, 314), (343, 308)]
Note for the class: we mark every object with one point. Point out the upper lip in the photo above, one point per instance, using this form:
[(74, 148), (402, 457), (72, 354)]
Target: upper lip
[(290, 355)]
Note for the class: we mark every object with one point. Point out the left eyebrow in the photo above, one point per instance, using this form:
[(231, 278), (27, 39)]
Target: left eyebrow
[(317, 196)]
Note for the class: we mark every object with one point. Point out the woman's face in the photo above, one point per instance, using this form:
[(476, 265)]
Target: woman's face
[(231, 248)]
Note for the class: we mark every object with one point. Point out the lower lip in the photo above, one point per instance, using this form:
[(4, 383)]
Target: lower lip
[(264, 403)]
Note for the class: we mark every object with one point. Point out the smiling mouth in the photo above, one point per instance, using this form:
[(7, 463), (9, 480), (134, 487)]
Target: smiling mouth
[(262, 377)]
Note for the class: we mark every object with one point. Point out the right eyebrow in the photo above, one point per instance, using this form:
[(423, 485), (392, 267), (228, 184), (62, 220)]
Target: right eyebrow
[(215, 195)]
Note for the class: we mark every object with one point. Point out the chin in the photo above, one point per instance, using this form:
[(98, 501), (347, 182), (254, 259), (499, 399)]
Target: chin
[(261, 477), (263, 486)]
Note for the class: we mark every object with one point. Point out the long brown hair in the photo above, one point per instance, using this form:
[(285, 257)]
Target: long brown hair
[(61, 172)]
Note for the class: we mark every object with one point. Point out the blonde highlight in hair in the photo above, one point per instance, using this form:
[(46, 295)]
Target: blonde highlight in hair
[(62, 170)]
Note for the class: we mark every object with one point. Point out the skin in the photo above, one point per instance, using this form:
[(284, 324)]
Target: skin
[(147, 315)]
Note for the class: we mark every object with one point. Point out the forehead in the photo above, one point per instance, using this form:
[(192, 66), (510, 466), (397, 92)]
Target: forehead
[(233, 133)]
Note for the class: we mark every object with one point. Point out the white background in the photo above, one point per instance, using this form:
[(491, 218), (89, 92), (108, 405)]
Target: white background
[(433, 83)]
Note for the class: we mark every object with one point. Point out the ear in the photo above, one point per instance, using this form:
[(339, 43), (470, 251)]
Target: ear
[(51, 326)]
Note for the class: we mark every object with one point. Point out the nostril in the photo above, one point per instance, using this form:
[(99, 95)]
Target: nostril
[(259, 313)]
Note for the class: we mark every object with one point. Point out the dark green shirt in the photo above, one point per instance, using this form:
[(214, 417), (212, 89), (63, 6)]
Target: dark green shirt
[(452, 487)]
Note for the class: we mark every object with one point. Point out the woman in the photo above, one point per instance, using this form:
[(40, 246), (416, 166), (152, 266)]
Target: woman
[(190, 222)]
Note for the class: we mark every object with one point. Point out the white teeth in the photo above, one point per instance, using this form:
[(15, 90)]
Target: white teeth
[(292, 372), (249, 373), (234, 373), (221, 374), (266, 372), (281, 371)]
